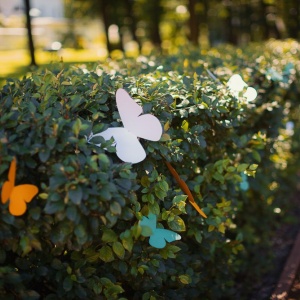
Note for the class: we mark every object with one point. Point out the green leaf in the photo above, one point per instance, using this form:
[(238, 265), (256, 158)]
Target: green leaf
[(119, 249), (75, 100), (145, 181), (146, 231), (25, 245), (217, 176), (67, 284), (185, 279), (43, 196), (221, 228), (109, 236), (222, 109), (31, 108), (97, 288), (53, 207), (104, 161), (127, 243), (159, 193), (230, 169), (154, 208), (80, 231), (177, 224), (242, 167), (50, 142), (210, 228), (198, 237), (163, 185), (44, 155), (76, 127), (106, 254), (115, 208), (256, 155), (113, 290), (253, 167), (97, 140), (76, 195), (148, 198), (179, 198), (71, 213), (185, 125)]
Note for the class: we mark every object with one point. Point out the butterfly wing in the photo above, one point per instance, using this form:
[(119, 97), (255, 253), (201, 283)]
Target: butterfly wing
[(107, 134), (148, 225), (128, 109), (128, 147), (6, 191), (236, 83), (160, 236), (244, 185), (9, 185), (250, 94), (19, 196), (146, 126)]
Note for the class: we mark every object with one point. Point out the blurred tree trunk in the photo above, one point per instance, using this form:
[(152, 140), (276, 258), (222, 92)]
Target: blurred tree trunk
[(155, 14), (105, 17), (268, 20), (263, 20), (110, 16), (193, 23), (29, 33), (206, 21), (133, 23), (292, 9), (295, 33), (230, 27)]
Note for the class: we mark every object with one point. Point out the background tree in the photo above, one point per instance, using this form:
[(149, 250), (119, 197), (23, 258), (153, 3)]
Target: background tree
[(193, 22), (29, 33), (228, 21)]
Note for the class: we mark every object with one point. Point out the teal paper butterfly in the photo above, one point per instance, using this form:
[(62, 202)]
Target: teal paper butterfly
[(244, 185), (158, 236)]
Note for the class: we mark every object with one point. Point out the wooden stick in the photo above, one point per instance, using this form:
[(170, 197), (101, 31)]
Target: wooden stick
[(185, 189)]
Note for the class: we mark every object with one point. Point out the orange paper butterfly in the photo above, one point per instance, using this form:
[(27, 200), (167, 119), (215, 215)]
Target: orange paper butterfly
[(18, 195)]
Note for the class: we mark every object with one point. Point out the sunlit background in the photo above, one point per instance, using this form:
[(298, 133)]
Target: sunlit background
[(91, 30)]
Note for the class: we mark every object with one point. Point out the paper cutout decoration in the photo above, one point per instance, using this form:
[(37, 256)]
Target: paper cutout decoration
[(185, 189), (158, 236), (236, 84), (128, 147), (289, 127), (244, 185), (274, 75), (18, 195)]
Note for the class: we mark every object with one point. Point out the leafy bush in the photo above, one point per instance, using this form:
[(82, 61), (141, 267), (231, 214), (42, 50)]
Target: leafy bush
[(80, 237)]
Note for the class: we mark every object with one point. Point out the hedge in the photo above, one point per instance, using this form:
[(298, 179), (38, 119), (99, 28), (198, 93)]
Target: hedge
[(81, 236)]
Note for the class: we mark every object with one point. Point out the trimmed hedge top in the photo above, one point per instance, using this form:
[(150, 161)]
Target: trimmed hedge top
[(81, 236)]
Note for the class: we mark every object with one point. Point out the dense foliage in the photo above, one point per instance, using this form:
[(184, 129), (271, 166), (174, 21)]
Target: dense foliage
[(80, 237)]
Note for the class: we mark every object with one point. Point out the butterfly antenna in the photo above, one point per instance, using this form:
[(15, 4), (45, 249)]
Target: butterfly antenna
[(213, 76)]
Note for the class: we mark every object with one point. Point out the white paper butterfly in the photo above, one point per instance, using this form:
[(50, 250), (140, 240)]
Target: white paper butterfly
[(236, 84), (128, 147)]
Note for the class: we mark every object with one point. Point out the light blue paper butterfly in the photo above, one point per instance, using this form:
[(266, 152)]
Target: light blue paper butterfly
[(158, 236), (244, 185)]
